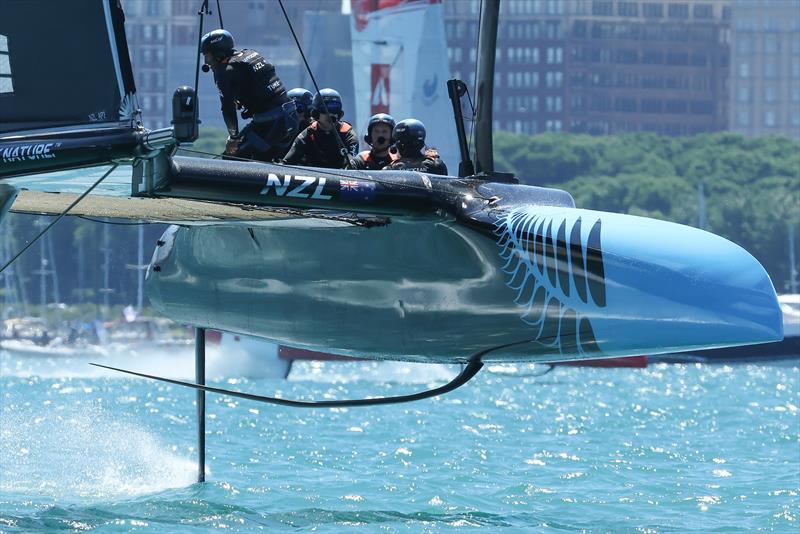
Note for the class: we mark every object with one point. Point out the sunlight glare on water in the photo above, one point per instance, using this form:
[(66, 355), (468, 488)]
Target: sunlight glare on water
[(686, 448)]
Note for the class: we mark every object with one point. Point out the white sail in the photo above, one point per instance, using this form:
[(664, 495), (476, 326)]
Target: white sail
[(400, 67)]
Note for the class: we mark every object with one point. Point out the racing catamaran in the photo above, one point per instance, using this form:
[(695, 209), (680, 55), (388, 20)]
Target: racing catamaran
[(389, 264)]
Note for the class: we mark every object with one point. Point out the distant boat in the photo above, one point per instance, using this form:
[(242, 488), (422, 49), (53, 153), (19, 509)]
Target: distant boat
[(31, 337)]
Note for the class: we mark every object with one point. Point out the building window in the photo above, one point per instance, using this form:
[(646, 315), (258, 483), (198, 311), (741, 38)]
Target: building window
[(770, 69), (676, 106), (743, 44), (602, 8), (553, 29), (744, 70), (770, 95), (553, 103), (699, 59), (769, 118), (579, 28), (677, 58), (651, 105), (743, 117), (628, 56), (678, 11), (652, 81), (771, 44), (154, 8), (743, 94), (550, 79), (628, 9), (703, 11), (701, 82), (625, 104), (653, 11), (702, 107), (653, 57), (553, 125), (555, 7), (6, 82)]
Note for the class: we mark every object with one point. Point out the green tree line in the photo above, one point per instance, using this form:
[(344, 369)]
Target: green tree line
[(751, 186)]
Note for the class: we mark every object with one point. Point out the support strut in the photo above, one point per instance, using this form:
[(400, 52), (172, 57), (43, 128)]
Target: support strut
[(200, 378)]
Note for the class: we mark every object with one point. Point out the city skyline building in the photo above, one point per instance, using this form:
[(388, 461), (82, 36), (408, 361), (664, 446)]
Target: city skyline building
[(675, 67), (602, 66), (765, 74)]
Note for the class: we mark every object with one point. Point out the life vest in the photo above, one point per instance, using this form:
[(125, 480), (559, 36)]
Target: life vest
[(344, 127), (315, 153), (259, 88), (367, 155)]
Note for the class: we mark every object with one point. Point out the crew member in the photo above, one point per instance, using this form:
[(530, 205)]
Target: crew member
[(248, 82), (409, 139), (329, 141), (379, 137), (302, 101)]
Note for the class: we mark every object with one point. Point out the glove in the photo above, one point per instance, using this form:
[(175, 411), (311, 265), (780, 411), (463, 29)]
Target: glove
[(232, 145)]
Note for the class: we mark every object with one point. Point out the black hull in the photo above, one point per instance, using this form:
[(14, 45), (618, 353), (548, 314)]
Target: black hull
[(780, 351)]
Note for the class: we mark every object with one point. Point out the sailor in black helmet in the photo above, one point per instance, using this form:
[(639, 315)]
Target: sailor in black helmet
[(248, 82), (409, 139), (328, 141), (302, 101), (379, 137)]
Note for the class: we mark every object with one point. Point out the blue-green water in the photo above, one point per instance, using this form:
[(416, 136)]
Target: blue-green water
[(665, 449)]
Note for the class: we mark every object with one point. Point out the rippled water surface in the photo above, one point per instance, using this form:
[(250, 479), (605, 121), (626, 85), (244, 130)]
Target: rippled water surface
[(664, 449)]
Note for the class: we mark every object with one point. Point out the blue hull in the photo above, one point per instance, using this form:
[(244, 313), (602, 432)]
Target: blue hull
[(534, 283)]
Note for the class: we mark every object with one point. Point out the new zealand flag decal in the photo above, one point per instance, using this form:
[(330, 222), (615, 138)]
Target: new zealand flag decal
[(356, 190)]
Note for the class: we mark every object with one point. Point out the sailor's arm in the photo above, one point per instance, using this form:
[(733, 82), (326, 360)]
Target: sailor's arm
[(229, 116), (227, 102), (297, 152)]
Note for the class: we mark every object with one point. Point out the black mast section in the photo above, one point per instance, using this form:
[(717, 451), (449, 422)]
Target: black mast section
[(487, 43)]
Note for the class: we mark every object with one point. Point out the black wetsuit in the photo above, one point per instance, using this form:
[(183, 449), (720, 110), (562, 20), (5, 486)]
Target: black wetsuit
[(319, 148), (428, 162), (368, 161), (249, 81)]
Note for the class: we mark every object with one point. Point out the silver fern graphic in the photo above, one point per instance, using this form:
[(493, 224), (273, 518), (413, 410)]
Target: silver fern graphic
[(127, 106), (557, 279)]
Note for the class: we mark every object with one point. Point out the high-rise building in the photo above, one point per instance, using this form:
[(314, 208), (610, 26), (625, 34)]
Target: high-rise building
[(765, 74), (148, 29), (658, 66), (529, 65), (602, 66)]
